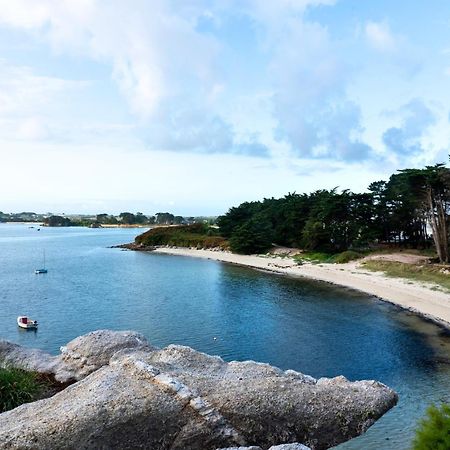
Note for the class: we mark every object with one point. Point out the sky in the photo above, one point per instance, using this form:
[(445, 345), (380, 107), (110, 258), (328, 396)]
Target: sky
[(194, 106)]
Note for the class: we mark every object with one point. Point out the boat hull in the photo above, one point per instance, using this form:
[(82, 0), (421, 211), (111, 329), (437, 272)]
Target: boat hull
[(27, 324)]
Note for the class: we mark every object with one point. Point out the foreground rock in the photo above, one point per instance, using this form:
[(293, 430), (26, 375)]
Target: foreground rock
[(131, 395), (78, 358)]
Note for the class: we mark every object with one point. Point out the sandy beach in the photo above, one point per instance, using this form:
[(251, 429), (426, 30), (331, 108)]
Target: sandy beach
[(420, 298)]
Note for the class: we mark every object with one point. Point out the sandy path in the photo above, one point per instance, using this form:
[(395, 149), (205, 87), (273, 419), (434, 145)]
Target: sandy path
[(417, 297)]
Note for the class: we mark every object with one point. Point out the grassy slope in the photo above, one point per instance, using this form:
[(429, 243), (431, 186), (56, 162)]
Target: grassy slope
[(428, 273)]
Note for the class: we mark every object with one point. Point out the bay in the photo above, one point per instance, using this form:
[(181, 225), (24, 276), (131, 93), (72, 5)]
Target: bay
[(221, 309)]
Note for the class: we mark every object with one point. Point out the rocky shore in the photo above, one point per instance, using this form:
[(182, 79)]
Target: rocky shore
[(127, 394)]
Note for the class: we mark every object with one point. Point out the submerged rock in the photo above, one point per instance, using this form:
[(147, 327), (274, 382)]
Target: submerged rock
[(136, 396)]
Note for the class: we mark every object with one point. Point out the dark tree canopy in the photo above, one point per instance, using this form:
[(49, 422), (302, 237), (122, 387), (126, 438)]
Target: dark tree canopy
[(410, 209)]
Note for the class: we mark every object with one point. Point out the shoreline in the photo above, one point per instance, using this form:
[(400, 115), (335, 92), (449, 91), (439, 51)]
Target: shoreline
[(418, 298)]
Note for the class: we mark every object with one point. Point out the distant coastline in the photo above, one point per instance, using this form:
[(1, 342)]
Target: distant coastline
[(419, 298)]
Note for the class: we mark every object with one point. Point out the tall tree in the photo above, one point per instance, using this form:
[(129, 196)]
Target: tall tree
[(431, 186)]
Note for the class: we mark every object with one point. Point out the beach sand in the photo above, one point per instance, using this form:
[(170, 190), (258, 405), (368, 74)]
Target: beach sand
[(420, 298)]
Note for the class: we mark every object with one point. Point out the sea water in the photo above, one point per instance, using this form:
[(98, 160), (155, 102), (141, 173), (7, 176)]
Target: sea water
[(221, 309)]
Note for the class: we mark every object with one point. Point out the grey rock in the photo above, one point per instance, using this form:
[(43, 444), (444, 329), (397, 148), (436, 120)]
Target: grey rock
[(78, 358), (87, 353), (241, 448), (295, 446), (13, 355), (177, 398)]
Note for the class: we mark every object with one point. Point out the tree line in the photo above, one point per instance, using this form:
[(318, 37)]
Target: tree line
[(411, 209)]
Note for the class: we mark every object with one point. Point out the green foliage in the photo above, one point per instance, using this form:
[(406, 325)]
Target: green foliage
[(313, 257), (58, 221), (18, 386), (345, 257), (196, 235), (433, 432), (164, 218), (321, 257), (395, 212), (254, 236)]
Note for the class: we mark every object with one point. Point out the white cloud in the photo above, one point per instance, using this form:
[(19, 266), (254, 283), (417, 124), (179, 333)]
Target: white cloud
[(161, 62), (380, 37), (408, 139)]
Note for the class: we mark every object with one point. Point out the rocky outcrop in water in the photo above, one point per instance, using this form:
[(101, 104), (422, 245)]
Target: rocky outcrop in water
[(131, 395)]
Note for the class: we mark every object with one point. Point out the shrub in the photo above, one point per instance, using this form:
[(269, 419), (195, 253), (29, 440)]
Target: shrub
[(345, 257), (195, 235), (433, 432), (17, 386)]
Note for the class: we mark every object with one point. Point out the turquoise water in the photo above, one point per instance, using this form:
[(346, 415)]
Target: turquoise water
[(291, 323)]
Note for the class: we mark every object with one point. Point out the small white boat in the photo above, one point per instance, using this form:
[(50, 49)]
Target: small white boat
[(43, 270), (25, 322)]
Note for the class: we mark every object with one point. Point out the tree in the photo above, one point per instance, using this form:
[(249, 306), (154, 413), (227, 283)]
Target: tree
[(431, 187), (58, 221), (178, 220), (164, 218), (236, 217), (127, 218), (254, 236), (433, 432), (139, 218)]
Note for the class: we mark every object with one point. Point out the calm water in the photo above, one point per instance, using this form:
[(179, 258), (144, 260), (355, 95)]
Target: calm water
[(291, 323)]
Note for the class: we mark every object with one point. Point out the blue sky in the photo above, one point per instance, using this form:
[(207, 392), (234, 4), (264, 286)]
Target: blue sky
[(193, 106)]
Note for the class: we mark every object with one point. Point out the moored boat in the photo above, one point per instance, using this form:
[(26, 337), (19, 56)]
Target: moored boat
[(43, 270), (25, 322)]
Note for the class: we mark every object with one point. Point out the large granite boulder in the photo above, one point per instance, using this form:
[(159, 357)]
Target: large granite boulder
[(177, 398), (89, 352), (78, 358)]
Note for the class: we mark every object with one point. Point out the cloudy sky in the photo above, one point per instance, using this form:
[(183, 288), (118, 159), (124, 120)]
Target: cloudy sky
[(193, 106)]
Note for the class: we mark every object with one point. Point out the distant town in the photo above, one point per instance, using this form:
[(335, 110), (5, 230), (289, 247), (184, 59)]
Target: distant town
[(103, 220)]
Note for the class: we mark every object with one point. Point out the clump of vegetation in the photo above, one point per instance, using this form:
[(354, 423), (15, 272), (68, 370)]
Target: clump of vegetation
[(196, 235), (18, 386), (345, 257), (433, 432), (427, 273), (321, 257), (254, 236), (313, 257)]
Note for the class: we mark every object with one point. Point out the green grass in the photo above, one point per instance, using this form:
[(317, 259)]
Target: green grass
[(428, 273), (321, 257), (18, 386)]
